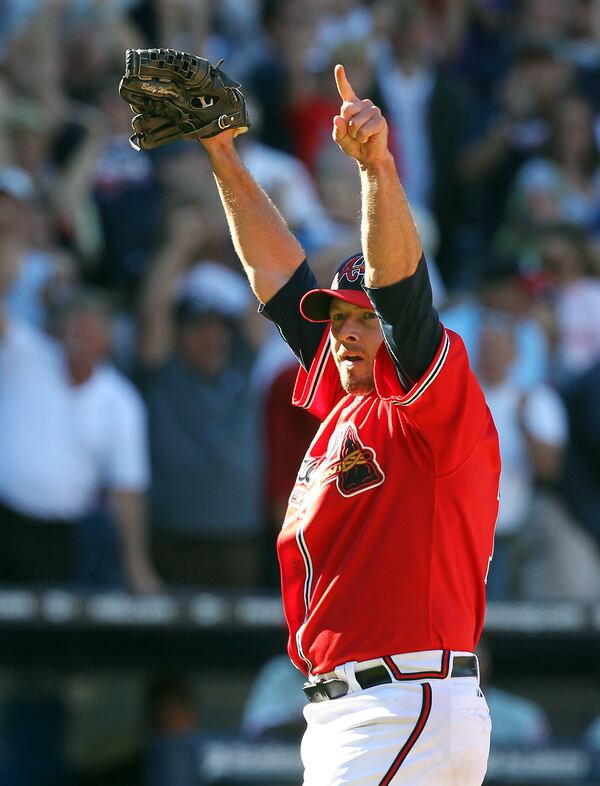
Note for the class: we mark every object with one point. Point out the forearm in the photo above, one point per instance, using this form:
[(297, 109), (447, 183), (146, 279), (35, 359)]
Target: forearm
[(268, 251), (390, 240), (546, 460), (45, 34), (75, 179), (186, 233), (130, 515), (483, 156), (156, 330)]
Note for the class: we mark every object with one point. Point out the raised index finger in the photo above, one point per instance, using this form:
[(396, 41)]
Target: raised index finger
[(343, 85)]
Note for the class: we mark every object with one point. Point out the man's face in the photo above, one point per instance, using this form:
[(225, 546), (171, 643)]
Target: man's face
[(355, 339), (496, 354), (205, 344), (85, 335), (562, 260)]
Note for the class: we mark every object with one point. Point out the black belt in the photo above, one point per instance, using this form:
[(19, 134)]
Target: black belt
[(462, 666)]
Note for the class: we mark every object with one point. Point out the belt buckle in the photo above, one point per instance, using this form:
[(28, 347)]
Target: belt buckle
[(464, 666), (324, 690)]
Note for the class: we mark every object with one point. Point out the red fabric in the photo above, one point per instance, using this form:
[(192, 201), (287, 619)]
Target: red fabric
[(389, 528), (289, 431), (311, 121), (319, 389)]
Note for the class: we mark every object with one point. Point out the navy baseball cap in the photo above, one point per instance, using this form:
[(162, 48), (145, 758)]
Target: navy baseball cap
[(347, 285)]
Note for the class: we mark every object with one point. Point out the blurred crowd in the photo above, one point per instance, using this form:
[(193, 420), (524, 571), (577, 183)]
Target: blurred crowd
[(147, 435)]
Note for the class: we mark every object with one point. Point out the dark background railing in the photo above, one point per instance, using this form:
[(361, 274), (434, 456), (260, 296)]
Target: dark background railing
[(547, 652)]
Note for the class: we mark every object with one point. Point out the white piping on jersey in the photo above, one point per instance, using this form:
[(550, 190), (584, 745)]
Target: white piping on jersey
[(307, 590), (431, 376), (322, 361)]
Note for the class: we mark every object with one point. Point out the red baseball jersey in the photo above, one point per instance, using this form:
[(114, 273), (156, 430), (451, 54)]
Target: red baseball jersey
[(388, 534)]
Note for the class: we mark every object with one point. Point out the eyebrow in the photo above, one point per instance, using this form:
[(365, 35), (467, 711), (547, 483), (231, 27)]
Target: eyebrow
[(341, 309)]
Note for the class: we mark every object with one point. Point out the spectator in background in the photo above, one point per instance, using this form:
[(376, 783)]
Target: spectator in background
[(35, 726), (581, 477), (501, 288), (563, 185), (281, 70), (591, 738), (28, 130), (516, 720), (170, 724), (479, 46), (195, 369), (542, 20), (581, 45), (122, 179), (42, 274), (337, 180), (73, 458), (516, 129), (184, 25), (51, 132), (343, 22), (571, 295), (540, 552), (91, 42), (275, 705), (532, 431), (430, 241), (428, 110), (21, 264)]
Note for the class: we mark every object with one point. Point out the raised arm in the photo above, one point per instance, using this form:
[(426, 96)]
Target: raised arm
[(390, 240), (268, 251)]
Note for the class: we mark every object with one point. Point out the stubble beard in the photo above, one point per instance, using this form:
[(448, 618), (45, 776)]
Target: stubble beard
[(357, 386)]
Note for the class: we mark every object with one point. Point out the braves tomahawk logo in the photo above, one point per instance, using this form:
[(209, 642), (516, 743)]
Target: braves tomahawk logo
[(353, 271), (349, 464), (355, 469)]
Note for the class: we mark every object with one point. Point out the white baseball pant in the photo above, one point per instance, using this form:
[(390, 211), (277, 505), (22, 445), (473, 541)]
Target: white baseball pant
[(421, 732)]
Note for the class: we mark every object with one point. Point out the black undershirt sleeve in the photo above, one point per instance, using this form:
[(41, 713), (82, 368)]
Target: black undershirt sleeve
[(411, 327), (302, 336)]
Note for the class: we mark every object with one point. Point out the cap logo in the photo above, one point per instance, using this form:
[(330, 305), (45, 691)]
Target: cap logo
[(353, 271)]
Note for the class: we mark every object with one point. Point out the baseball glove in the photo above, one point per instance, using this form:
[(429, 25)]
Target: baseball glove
[(175, 95)]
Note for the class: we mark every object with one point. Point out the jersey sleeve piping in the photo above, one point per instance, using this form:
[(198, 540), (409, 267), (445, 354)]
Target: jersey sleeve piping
[(421, 386)]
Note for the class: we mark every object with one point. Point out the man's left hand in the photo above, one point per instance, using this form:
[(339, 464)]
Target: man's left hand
[(142, 578)]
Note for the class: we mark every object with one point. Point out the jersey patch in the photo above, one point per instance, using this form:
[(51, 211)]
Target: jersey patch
[(351, 465), (354, 466)]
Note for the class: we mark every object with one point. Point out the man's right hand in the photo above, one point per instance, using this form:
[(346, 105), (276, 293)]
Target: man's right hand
[(360, 129)]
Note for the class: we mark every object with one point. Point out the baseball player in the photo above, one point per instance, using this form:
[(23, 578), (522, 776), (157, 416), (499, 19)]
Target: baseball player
[(388, 534)]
